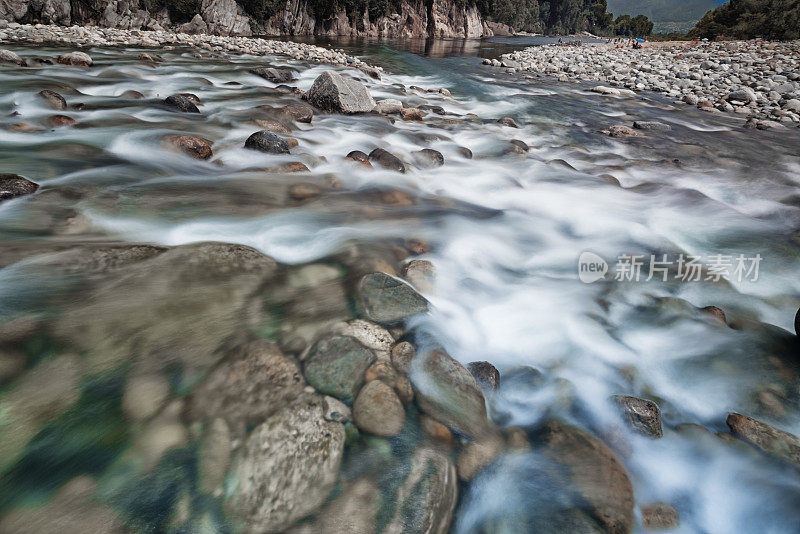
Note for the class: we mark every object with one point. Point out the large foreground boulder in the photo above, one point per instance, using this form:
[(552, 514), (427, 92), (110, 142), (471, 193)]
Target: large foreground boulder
[(334, 93), (595, 473), (287, 468)]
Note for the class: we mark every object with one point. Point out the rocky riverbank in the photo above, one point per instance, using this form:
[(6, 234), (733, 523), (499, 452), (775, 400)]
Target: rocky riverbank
[(758, 80), (81, 36)]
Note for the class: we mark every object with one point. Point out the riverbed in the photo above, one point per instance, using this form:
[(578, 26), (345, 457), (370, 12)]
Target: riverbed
[(504, 230)]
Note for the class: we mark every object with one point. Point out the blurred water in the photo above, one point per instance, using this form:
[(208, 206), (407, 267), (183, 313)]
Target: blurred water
[(505, 243)]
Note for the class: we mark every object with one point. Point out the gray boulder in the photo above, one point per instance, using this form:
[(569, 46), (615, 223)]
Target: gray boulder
[(333, 93), (7, 57), (388, 300), (286, 468), (272, 74), (336, 366)]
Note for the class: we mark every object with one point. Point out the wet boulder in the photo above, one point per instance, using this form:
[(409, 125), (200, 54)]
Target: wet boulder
[(402, 356), (426, 498), (268, 142), (654, 126), (766, 437), (75, 59), (246, 389), (411, 114), (486, 374), (272, 126), (273, 75), (299, 112), (378, 411), (660, 516), (333, 93), (335, 366), (181, 103), (643, 416), (286, 469), (595, 473), (508, 121), (13, 185), (387, 160), (191, 145), (56, 121), (421, 274), (52, 99), (447, 391), (428, 158), (7, 57), (388, 106), (618, 130), (388, 300)]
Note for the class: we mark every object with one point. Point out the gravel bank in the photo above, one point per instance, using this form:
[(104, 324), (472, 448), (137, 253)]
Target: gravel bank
[(93, 36), (759, 80)]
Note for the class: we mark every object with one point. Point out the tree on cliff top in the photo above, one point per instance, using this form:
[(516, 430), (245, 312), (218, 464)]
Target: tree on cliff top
[(749, 19)]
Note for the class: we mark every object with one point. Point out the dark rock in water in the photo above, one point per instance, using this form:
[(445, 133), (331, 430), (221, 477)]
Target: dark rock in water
[(448, 392), (372, 72), (425, 501), (428, 158), (619, 130), (13, 185), (286, 468), (53, 99), (642, 415), (387, 300), (659, 516), (335, 366), (595, 473), (193, 146), (515, 146), (465, 152), (508, 121), (486, 374), (299, 111), (769, 439), (378, 411), (715, 312), (268, 142), (273, 75), (387, 160), (357, 155), (652, 125), (333, 93), (191, 96), (75, 59), (181, 103), (60, 120), (256, 383), (7, 57)]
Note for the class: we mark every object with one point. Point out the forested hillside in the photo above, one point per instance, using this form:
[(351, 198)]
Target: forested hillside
[(748, 19)]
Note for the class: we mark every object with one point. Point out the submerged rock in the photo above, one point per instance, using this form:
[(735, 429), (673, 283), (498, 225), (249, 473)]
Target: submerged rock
[(76, 59), (619, 130), (652, 125), (286, 468), (214, 455), (53, 99), (257, 382), (272, 126), (596, 473), (449, 393), (428, 158), (335, 366), (388, 300), (355, 511), (659, 516), (268, 142), (333, 93), (766, 437), (144, 395), (403, 355), (387, 160), (642, 415), (181, 103), (193, 146), (60, 120), (476, 455), (508, 121), (426, 499), (377, 410), (13, 185), (421, 274), (299, 112)]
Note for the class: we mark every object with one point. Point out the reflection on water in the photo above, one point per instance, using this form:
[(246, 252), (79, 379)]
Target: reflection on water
[(121, 310)]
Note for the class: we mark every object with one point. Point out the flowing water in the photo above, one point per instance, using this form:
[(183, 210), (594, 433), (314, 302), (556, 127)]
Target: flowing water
[(504, 232)]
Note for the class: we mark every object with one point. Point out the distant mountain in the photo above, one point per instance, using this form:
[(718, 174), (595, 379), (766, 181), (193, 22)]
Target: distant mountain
[(667, 15)]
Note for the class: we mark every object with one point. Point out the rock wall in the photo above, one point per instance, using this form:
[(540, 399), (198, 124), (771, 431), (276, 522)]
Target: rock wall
[(413, 19)]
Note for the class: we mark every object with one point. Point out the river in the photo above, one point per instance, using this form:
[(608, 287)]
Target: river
[(505, 232)]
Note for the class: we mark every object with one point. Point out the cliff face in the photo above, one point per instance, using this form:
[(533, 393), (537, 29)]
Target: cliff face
[(411, 19)]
